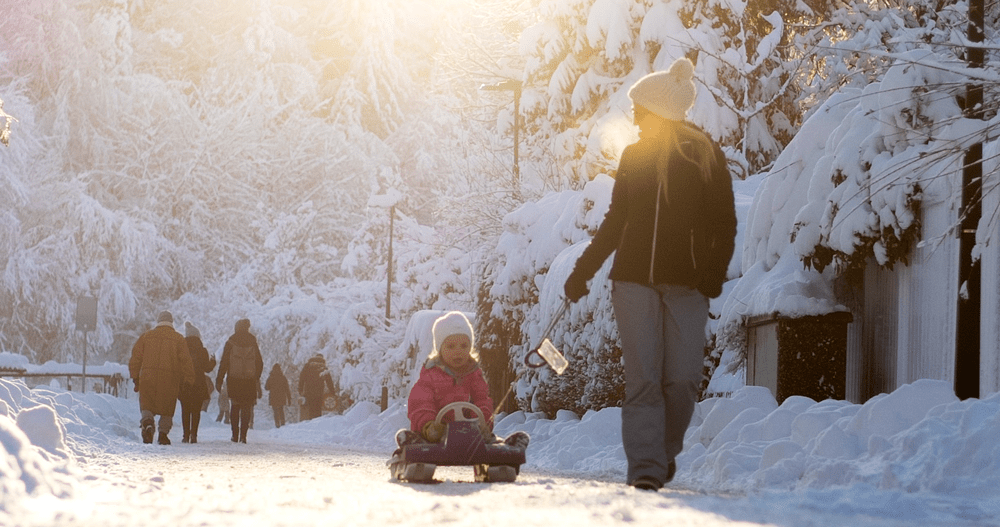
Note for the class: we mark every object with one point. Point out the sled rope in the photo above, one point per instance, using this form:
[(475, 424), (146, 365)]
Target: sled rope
[(504, 399)]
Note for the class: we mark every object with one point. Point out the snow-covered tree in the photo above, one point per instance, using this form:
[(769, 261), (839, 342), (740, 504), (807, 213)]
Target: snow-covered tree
[(185, 155)]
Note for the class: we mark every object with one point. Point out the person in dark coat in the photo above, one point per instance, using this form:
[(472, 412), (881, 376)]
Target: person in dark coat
[(672, 225), (279, 394), (312, 380), (159, 366), (241, 367), (193, 397)]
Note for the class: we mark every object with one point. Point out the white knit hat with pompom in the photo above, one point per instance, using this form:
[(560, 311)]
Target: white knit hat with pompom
[(669, 94)]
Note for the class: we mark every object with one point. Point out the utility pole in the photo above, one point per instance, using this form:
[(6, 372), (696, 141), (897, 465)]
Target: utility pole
[(969, 272), (388, 267)]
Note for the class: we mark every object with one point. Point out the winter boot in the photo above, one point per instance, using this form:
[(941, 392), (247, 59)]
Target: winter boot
[(647, 483), (194, 437), (147, 430), (518, 440), (186, 438), (408, 437), (163, 439)]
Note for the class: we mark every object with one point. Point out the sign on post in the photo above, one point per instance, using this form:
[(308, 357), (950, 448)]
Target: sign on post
[(86, 314)]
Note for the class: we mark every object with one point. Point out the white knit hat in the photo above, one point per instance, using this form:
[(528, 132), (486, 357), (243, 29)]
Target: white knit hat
[(451, 323), (190, 330), (669, 94)]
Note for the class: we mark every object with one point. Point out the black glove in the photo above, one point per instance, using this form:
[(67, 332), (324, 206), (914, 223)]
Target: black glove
[(711, 287), (576, 286)]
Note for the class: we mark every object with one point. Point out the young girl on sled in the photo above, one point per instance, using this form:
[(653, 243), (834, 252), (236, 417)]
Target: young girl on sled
[(451, 374)]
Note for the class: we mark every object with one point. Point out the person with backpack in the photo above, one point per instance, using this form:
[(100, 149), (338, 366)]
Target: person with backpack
[(241, 367), (314, 378)]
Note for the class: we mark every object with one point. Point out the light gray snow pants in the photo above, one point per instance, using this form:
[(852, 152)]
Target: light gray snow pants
[(662, 332)]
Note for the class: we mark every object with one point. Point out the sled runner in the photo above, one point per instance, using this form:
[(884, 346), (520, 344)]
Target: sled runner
[(463, 444)]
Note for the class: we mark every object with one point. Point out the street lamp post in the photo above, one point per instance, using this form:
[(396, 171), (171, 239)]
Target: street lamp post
[(388, 201), (514, 86), (388, 267)]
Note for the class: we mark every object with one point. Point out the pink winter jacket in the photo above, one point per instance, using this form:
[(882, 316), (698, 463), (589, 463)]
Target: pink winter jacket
[(439, 386)]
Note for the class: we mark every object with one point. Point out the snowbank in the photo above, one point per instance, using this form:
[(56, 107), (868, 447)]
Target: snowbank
[(908, 454)]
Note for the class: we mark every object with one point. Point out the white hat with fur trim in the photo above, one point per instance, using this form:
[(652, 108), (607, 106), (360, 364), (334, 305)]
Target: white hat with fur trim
[(669, 94)]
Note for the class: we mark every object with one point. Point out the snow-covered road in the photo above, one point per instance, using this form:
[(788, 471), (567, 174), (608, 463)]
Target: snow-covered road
[(272, 482)]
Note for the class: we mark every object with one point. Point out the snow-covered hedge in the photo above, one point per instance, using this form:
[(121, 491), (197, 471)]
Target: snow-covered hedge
[(536, 252)]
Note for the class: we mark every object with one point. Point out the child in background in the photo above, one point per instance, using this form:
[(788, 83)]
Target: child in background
[(223, 405), (451, 374)]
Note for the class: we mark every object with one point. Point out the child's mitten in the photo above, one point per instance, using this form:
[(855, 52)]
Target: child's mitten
[(433, 431)]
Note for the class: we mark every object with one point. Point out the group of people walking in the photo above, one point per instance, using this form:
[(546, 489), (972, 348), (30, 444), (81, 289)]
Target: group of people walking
[(167, 367)]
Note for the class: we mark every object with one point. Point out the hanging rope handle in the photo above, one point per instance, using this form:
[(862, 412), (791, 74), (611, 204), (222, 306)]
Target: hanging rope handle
[(528, 361), (545, 334), (527, 358)]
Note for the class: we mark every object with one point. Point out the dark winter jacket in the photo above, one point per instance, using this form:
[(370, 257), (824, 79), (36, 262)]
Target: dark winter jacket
[(241, 391), (695, 234), (439, 386), (314, 378), (160, 364), (202, 363), (278, 392)]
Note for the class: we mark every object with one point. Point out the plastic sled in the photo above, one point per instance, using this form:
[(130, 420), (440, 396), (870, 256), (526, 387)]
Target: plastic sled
[(462, 445)]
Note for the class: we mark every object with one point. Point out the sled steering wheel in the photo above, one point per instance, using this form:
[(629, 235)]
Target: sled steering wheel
[(458, 408)]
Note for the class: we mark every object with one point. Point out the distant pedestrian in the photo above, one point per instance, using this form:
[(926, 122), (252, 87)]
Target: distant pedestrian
[(241, 367), (209, 388), (223, 416), (279, 394), (160, 365), (193, 397), (260, 393), (315, 382), (671, 224)]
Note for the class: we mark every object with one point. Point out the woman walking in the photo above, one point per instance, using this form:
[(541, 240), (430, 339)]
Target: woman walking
[(673, 224), (193, 397)]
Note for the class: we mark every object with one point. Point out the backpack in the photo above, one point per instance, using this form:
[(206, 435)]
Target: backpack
[(312, 384), (241, 362)]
